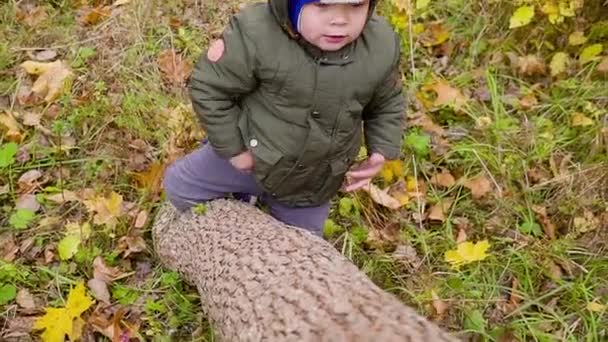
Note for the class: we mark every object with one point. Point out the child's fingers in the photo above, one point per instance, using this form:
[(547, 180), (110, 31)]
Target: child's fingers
[(364, 173), (357, 185)]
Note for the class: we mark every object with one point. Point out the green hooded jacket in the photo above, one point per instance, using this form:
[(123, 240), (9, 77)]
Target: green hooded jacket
[(301, 111)]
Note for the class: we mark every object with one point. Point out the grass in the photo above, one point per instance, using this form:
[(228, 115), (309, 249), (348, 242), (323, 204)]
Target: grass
[(121, 121)]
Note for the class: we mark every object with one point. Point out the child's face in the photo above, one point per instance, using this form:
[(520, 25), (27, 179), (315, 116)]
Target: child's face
[(331, 27)]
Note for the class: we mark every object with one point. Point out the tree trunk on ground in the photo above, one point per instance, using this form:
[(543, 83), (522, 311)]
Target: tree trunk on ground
[(262, 281)]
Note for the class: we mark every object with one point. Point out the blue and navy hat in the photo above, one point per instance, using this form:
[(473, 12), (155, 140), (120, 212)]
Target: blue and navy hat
[(295, 8)]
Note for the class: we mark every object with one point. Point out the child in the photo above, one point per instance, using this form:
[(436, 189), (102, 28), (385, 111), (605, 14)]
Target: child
[(286, 97)]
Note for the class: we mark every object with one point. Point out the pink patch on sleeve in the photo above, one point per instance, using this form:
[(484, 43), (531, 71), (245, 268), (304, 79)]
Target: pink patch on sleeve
[(216, 50)]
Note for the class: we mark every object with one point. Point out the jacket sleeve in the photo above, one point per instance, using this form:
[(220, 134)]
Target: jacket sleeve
[(383, 116), (216, 86)]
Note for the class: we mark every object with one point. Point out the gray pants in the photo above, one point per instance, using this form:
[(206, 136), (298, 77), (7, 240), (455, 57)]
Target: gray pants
[(203, 175)]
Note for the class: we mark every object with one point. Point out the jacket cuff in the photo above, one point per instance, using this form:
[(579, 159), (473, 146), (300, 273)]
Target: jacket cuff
[(389, 152), (228, 152)]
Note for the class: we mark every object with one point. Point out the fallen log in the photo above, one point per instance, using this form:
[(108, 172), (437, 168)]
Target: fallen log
[(260, 280)]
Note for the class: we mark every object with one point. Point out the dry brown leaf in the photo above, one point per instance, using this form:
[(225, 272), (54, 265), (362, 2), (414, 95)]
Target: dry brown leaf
[(8, 247), (25, 299), (53, 78), (99, 290), (479, 186), (426, 123), (175, 69), (439, 210), (141, 220), (514, 298), (444, 179), (45, 55), (603, 66), (531, 65), (32, 119), (93, 16), (29, 202), (33, 17), (448, 96), (131, 245), (462, 236), (382, 197), (27, 181), (113, 324), (545, 221), (528, 102), (106, 210), (105, 273), (19, 328), (407, 255), (440, 306), (10, 124)]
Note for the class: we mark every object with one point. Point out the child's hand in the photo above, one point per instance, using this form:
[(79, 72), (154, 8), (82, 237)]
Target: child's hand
[(243, 162), (360, 175)]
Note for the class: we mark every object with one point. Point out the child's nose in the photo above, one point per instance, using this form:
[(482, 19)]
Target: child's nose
[(340, 17)]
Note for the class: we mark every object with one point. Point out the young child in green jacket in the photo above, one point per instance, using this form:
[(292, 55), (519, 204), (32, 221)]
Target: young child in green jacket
[(287, 96)]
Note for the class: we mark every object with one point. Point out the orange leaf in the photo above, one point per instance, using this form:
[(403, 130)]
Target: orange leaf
[(444, 179), (93, 16), (448, 96), (175, 69), (479, 186)]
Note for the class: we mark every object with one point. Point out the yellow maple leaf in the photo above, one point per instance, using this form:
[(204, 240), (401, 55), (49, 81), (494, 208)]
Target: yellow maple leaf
[(13, 131), (58, 322), (107, 210), (522, 16), (580, 120), (596, 307), (467, 252)]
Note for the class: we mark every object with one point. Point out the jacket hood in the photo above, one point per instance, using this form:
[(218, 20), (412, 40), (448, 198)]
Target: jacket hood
[(280, 10)]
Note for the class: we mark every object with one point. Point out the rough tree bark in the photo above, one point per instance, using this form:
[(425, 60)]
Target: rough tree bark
[(262, 281)]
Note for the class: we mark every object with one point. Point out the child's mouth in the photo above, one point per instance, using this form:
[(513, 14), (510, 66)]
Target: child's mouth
[(334, 39)]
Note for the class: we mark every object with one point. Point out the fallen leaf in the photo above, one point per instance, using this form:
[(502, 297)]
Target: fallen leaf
[(175, 69), (482, 123), (113, 325), (467, 252), (545, 221), (58, 322), (32, 119), (14, 132), (443, 179), (151, 180), (141, 220), (25, 299), (580, 120), (82, 231), (531, 65), (586, 223), (28, 202), (382, 197), (528, 102), (559, 63), (33, 17), (596, 307), (590, 53), (438, 211), (93, 16), (106, 210), (99, 290), (27, 180), (577, 38), (479, 186), (426, 123), (439, 305), (435, 34), (19, 327), (68, 246), (105, 273), (448, 95), (514, 298), (407, 255), (8, 247), (53, 78), (45, 55), (603, 66), (63, 197), (131, 245), (462, 236), (521, 17)]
